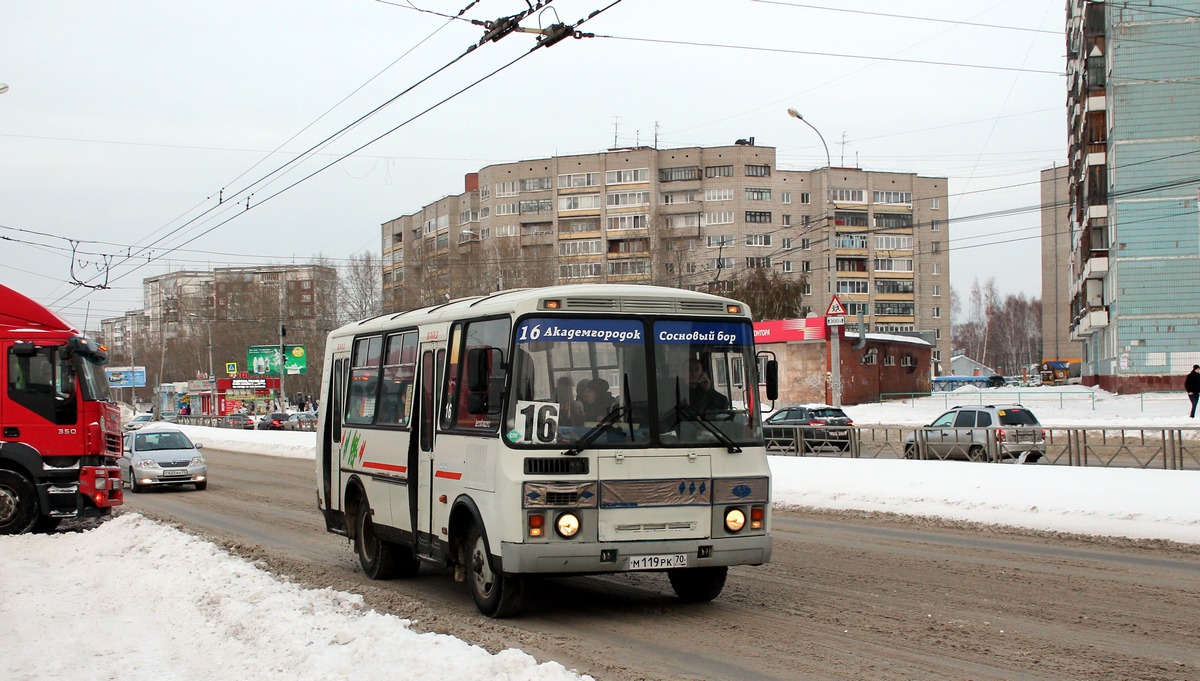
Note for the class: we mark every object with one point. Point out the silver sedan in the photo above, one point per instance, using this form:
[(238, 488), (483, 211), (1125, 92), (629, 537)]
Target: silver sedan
[(162, 455)]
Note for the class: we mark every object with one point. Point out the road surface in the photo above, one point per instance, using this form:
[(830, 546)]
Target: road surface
[(847, 596)]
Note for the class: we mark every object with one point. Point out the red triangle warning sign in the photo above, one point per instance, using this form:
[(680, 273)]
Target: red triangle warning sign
[(835, 308)]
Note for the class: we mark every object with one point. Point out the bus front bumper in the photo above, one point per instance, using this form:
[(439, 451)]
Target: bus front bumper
[(590, 558)]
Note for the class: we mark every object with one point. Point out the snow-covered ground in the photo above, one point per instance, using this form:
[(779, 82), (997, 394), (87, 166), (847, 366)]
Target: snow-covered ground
[(181, 608)]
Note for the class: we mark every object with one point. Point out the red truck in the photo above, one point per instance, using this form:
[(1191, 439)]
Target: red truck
[(60, 434)]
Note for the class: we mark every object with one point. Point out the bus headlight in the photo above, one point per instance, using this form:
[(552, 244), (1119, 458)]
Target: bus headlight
[(735, 519), (567, 525)]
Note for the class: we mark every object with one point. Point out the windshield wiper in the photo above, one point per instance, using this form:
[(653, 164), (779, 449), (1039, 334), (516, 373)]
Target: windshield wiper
[(597, 430)]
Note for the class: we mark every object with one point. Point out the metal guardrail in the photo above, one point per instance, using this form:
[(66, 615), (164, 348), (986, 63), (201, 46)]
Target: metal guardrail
[(996, 396), (1159, 448), (219, 422)]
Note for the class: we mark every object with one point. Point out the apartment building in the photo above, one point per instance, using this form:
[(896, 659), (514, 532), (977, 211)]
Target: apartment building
[(693, 217), (1057, 343), (1134, 173)]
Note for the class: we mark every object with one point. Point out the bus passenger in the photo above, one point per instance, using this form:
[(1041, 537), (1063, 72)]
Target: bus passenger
[(596, 399)]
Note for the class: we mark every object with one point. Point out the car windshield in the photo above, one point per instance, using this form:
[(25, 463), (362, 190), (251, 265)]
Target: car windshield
[(1016, 417), (149, 442)]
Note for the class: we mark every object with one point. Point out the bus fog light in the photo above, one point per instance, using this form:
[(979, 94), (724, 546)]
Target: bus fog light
[(735, 519), (567, 525)]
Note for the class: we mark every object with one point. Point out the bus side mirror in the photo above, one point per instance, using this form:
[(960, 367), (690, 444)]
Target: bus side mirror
[(772, 379)]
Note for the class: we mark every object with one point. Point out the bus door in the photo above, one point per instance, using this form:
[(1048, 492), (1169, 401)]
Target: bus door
[(332, 408), (421, 504)]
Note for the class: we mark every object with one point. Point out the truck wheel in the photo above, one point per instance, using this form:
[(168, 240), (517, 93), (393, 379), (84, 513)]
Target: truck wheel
[(698, 585), (496, 594), (18, 503)]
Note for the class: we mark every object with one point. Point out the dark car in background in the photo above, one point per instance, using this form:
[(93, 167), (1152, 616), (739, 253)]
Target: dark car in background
[(991, 432), (817, 426), (242, 421), (272, 421)]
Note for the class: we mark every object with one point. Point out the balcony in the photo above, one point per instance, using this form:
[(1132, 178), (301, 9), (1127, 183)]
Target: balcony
[(1096, 267), (1091, 321)]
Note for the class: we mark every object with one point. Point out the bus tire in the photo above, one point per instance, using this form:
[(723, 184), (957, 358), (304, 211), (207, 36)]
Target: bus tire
[(698, 585), (495, 593), (376, 556), (18, 503)]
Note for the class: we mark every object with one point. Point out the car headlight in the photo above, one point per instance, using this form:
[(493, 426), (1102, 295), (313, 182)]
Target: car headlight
[(567, 525), (197, 461), (735, 519), (146, 463)]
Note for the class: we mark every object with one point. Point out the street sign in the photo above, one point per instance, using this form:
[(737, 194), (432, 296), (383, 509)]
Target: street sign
[(231, 368), (835, 309), (839, 320)]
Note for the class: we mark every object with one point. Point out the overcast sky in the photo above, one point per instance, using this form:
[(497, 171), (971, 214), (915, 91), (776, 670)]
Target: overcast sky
[(125, 122)]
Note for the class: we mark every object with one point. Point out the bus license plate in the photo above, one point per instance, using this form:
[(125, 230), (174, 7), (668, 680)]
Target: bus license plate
[(677, 560)]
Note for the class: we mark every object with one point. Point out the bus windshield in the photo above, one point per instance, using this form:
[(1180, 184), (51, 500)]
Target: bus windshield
[(616, 383)]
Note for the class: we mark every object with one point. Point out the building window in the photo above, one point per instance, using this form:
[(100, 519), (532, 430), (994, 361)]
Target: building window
[(759, 263), (889, 360), (937, 290), (579, 225), (580, 270), (580, 247), (787, 243), (937, 313), (805, 198), (807, 288), (721, 218), (856, 241), (936, 246), (757, 194), (856, 309), (683, 220), (935, 203), (893, 285), (936, 269), (805, 244), (627, 176), (678, 174), (536, 206), (787, 265), (785, 220), (893, 220), (619, 222), (847, 195), (936, 355), (628, 267), (507, 208), (758, 216), (672, 198), (758, 171), (718, 195), (935, 225), (718, 171), (892, 197), (758, 239), (616, 199), (720, 263), (506, 188), (806, 265), (719, 240), (579, 180), (853, 286), (467, 216), (534, 184), (785, 197), (894, 309), (850, 218), (893, 264), (888, 242), (579, 202)]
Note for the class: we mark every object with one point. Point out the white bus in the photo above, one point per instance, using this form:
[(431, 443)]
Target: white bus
[(460, 435)]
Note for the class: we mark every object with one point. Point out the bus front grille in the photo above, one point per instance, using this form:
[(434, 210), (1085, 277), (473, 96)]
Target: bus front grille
[(556, 466)]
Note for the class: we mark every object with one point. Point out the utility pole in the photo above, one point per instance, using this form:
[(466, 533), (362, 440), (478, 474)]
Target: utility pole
[(282, 336)]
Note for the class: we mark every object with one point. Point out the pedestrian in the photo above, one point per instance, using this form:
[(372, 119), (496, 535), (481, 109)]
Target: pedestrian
[(1192, 385)]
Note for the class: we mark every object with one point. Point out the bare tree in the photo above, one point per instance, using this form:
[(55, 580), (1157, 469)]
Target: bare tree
[(770, 294), (361, 288), (1002, 332)]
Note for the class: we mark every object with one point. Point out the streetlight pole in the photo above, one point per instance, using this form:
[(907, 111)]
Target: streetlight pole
[(835, 332)]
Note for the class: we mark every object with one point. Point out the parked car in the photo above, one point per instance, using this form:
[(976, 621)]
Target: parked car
[(238, 421), (304, 420), (161, 455), (992, 432), (138, 421), (820, 425), (272, 421)]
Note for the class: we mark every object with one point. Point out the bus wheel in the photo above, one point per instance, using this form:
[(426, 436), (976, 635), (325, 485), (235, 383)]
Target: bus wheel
[(18, 503), (698, 585), (496, 594), (376, 556)]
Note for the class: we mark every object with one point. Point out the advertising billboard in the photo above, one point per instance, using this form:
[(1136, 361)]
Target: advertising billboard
[(126, 377), (263, 360)]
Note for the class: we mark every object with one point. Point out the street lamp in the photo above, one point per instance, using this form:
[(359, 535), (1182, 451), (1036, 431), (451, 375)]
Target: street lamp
[(3, 88), (835, 351)]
